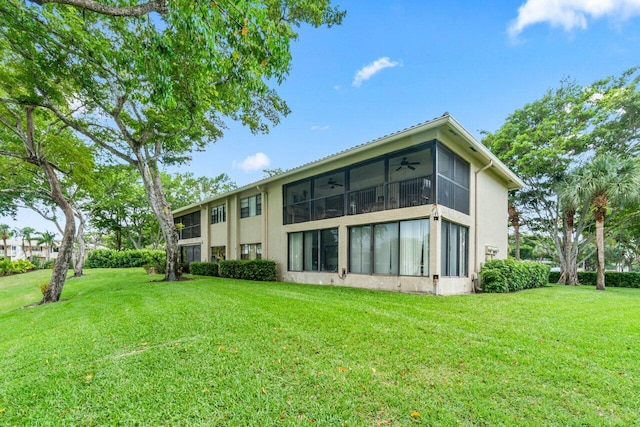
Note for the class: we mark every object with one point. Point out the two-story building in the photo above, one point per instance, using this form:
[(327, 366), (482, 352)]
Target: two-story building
[(416, 211)]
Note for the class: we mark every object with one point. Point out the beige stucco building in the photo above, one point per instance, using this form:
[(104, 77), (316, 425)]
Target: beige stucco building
[(416, 211)]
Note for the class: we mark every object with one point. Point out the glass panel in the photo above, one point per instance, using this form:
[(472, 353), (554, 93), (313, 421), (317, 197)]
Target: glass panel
[(461, 175), (455, 243), (366, 176), (329, 254), (410, 165), (295, 251), (258, 250), (360, 249), (445, 192), (252, 206), (414, 248), (464, 236), (385, 256), (445, 162), (461, 199), (297, 213), (296, 193), (328, 185), (310, 251)]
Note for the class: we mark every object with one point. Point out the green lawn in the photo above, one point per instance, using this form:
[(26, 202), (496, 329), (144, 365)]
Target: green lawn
[(124, 350)]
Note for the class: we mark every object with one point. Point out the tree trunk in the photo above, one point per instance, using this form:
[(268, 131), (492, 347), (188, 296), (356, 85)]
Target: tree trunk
[(158, 202), (600, 214), (569, 273), (514, 217), (77, 266), (61, 266)]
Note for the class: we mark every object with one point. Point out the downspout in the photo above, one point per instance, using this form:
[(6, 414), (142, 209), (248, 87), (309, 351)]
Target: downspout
[(265, 222), (476, 279)]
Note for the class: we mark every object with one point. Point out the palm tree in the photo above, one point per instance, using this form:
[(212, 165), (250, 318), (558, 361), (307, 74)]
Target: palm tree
[(5, 233), (26, 233), (606, 182), (48, 240)]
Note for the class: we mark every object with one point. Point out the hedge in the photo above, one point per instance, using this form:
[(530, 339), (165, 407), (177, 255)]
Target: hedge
[(615, 279), (204, 268), (18, 266), (257, 269), (107, 258), (509, 275)]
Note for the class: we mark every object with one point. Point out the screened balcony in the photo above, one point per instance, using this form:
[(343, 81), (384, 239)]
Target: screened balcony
[(396, 180)]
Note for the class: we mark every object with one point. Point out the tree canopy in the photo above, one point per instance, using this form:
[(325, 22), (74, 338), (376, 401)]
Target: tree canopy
[(151, 83)]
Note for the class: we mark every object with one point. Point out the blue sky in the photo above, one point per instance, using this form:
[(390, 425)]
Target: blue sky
[(477, 60), (416, 59)]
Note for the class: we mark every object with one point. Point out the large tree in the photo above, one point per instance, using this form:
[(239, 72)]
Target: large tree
[(152, 87), (122, 211), (546, 139), (539, 142), (41, 150), (607, 182)]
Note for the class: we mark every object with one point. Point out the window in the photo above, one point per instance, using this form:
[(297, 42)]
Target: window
[(190, 227), (251, 206), (251, 251), (360, 249), (314, 250), (218, 253), (394, 248), (189, 254), (218, 214), (453, 180), (455, 242), (414, 248), (385, 248)]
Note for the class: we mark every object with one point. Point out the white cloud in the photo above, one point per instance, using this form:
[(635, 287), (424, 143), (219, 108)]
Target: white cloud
[(256, 162), (317, 127), (366, 72), (570, 14)]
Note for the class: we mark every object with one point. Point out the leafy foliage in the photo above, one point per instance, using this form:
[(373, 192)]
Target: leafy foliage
[(106, 258), (616, 279), (509, 275), (257, 269), (18, 266), (204, 268)]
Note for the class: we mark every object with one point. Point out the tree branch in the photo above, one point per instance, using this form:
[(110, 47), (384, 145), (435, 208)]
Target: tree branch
[(159, 6)]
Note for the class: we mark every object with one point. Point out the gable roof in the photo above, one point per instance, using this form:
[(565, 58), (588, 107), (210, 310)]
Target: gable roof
[(457, 132)]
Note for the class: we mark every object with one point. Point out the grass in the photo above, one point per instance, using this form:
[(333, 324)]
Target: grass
[(124, 350)]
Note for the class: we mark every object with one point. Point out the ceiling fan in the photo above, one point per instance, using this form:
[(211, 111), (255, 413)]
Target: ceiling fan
[(332, 182), (408, 164)]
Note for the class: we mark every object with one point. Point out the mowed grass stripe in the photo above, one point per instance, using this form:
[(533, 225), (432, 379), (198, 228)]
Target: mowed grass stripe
[(124, 349)]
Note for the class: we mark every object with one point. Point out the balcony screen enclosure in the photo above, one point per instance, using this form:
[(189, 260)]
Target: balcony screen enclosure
[(396, 180)]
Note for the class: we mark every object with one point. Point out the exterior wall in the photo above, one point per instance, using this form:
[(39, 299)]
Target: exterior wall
[(486, 222), (492, 215), (15, 252)]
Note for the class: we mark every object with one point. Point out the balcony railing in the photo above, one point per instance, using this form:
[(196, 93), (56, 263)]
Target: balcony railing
[(392, 195)]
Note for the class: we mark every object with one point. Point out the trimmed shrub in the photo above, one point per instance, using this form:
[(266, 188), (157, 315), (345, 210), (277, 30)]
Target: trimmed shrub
[(107, 258), (18, 266), (257, 269), (509, 275), (615, 279), (204, 268)]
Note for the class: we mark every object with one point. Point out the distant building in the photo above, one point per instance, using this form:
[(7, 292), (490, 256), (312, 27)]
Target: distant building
[(15, 250), (415, 211)]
